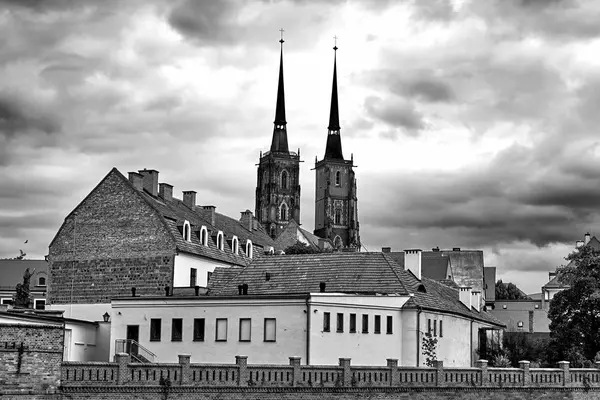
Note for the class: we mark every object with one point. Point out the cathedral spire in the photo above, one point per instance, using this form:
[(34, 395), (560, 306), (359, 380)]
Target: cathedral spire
[(279, 142), (334, 141)]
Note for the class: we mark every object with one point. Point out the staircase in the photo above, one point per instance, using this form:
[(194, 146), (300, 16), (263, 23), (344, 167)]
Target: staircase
[(137, 352)]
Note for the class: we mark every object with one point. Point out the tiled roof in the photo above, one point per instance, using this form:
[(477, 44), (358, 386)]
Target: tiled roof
[(555, 284), (11, 272), (289, 237), (303, 273)]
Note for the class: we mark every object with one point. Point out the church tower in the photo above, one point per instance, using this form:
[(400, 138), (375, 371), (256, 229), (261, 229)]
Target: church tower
[(336, 205), (278, 177)]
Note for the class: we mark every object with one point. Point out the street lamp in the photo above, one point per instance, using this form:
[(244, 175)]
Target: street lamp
[(106, 316)]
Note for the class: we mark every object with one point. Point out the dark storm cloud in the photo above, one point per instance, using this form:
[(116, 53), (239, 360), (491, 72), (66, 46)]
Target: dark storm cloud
[(18, 117), (397, 113)]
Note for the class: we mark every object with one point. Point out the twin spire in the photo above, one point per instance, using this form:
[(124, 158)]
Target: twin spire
[(333, 149)]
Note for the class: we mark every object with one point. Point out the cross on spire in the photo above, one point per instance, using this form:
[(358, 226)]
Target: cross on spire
[(335, 38), (281, 40)]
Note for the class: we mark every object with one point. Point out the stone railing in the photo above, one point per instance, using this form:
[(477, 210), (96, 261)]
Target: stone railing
[(124, 373)]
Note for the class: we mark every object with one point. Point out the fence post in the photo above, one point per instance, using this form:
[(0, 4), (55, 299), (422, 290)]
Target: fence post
[(392, 364), (347, 372), (123, 360), (564, 365), (242, 364), (439, 373), (524, 365), (295, 362), (483, 366), (184, 362)]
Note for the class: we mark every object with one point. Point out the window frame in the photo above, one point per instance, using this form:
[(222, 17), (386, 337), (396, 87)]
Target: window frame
[(220, 240), (339, 322), (198, 335), (283, 212), (193, 277), (235, 244), (187, 231), (389, 327), (435, 328), (249, 248), (155, 335), (441, 330), (241, 322), (429, 326), (284, 179), (338, 178), (217, 329), (266, 321), (377, 325), (36, 301), (365, 323), (39, 282), (326, 322), (204, 236), (174, 338), (352, 323), (337, 219)]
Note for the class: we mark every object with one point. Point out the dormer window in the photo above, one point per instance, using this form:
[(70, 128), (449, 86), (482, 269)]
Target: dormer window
[(187, 231), (234, 245), (220, 243), (249, 249), (41, 281), (284, 180), (204, 236), (338, 178)]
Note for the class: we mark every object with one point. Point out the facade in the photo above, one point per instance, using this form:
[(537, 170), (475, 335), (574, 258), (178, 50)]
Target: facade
[(11, 274), (278, 174), (133, 234), (316, 306), (336, 202)]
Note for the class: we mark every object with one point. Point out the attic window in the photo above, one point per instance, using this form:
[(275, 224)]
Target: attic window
[(204, 236), (249, 248), (421, 288), (220, 244), (234, 244), (187, 231)]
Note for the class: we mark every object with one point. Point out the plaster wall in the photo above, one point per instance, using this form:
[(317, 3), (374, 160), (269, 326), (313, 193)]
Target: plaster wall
[(184, 263), (80, 338)]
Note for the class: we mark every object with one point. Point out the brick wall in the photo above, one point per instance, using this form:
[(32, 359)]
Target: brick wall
[(112, 241), (30, 358)]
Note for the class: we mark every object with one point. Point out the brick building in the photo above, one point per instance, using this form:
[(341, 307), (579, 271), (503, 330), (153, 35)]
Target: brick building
[(11, 274), (133, 233)]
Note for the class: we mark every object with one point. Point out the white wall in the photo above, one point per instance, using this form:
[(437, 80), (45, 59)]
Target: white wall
[(83, 341), (86, 312), (363, 348), (184, 263), (290, 315), (454, 347)]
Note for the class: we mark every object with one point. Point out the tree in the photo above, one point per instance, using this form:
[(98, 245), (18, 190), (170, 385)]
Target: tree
[(429, 349), (300, 248), (22, 298), (509, 291), (575, 312)]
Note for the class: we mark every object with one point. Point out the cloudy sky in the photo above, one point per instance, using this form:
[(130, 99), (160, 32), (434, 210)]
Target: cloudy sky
[(473, 123)]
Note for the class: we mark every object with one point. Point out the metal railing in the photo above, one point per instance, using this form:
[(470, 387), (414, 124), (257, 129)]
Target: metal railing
[(137, 352)]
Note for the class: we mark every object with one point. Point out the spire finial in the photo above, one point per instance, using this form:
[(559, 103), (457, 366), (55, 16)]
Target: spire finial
[(333, 148), (279, 142), (335, 38), (281, 40)]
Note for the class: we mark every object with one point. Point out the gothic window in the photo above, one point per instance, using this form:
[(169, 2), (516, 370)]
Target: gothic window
[(234, 245), (284, 180), (338, 243), (272, 231), (338, 216), (265, 179), (187, 231), (283, 212), (338, 178), (220, 244), (203, 236)]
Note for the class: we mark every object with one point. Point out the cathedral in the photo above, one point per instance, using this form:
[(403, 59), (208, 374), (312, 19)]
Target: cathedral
[(278, 180)]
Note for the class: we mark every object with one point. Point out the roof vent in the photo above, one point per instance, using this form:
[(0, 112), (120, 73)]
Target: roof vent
[(133, 292), (267, 276), (456, 249), (322, 286), (421, 288), (386, 249)]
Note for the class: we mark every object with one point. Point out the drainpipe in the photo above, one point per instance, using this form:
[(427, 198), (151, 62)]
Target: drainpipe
[(471, 347), (308, 330), (420, 310)]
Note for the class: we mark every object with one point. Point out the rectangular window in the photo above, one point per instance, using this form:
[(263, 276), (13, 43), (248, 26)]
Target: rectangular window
[(221, 330), (155, 327), (177, 330), (429, 326), (389, 325), (378, 324), (441, 332), (326, 322), (193, 277), (245, 327), (365, 323), (198, 329), (208, 276), (435, 327), (270, 328), (340, 322), (352, 323), (6, 301), (40, 304)]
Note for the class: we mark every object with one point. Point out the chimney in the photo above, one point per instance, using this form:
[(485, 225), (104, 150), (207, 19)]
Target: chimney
[(165, 191), (189, 198), (322, 286), (464, 295), (412, 262), (247, 220), (321, 243), (456, 249), (133, 292), (386, 249), (586, 238), (137, 180), (476, 299), (212, 212), (578, 244), (150, 180), (436, 249)]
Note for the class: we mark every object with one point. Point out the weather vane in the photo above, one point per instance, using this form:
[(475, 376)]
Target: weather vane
[(281, 40)]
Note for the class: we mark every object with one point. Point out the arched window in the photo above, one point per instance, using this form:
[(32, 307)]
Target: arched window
[(338, 216), (338, 243), (249, 249), (220, 240), (204, 236), (338, 178), (41, 281), (234, 244), (284, 180), (283, 212), (187, 231)]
